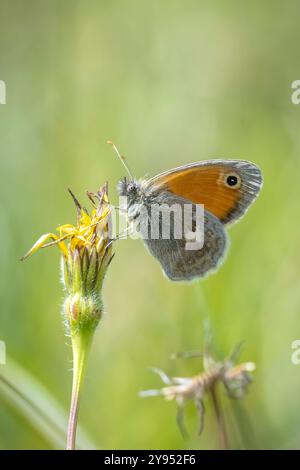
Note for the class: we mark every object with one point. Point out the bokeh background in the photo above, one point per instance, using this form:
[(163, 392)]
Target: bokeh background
[(171, 83)]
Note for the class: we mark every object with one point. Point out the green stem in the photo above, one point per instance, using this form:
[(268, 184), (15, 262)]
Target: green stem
[(81, 343), (223, 439)]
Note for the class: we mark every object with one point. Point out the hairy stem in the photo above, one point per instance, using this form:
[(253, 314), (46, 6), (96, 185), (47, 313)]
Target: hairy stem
[(81, 343)]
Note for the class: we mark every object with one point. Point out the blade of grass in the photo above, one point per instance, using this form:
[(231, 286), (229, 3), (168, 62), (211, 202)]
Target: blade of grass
[(22, 391)]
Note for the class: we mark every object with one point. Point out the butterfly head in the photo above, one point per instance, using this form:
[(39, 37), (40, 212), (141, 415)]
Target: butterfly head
[(130, 189)]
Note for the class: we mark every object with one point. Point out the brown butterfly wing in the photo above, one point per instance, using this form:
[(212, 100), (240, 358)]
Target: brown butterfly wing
[(206, 183)]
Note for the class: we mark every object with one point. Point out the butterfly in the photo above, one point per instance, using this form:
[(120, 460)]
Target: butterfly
[(226, 189)]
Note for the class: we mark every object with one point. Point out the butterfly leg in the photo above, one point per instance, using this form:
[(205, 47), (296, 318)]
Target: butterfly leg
[(120, 209), (123, 235)]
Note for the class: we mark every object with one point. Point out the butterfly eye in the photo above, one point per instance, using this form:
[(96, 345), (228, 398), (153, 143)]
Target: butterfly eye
[(232, 180)]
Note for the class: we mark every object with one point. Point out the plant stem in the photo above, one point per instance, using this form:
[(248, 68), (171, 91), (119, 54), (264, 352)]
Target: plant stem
[(81, 343), (223, 439)]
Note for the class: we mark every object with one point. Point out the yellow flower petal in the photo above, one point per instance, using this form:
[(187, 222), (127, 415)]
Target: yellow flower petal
[(89, 230), (39, 243)]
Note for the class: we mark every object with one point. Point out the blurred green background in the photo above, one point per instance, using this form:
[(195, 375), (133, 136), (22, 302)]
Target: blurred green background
[(170, 83)]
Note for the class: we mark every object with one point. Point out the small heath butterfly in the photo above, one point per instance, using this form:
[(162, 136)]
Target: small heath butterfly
[(225, 188)]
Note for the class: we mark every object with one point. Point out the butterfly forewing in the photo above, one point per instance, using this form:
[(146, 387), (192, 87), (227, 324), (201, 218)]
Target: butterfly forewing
[(210, 183)]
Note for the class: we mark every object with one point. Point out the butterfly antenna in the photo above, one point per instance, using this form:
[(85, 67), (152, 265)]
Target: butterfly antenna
[(121, 157)]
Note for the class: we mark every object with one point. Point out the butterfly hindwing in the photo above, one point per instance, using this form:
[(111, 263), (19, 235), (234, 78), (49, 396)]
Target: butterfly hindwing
[(178, 262)]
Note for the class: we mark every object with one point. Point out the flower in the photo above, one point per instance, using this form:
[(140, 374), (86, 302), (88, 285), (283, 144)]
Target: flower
[(86, 254)]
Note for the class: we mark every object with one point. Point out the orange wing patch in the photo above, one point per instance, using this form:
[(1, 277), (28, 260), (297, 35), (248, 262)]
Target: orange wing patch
[(204, 185)]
